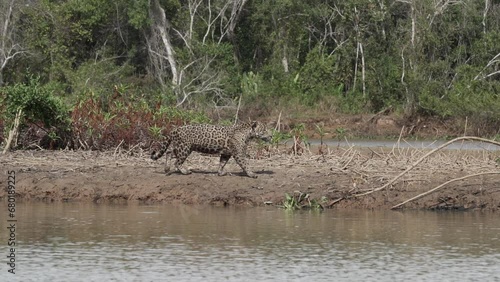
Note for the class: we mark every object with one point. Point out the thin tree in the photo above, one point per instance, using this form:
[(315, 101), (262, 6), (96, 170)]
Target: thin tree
[(192, 74), (9, 45)]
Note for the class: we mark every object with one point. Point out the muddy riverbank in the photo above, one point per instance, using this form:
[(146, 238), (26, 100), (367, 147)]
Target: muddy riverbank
[(327, 175)]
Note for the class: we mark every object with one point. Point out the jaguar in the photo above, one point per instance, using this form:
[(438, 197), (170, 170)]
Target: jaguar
[(226, 141)]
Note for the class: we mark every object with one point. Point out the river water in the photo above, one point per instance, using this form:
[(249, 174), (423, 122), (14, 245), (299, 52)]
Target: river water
[(103, 242)]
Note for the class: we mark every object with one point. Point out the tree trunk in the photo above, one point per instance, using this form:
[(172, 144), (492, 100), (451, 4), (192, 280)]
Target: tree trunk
[(7, 46), (235, 16), (487, 6), (161, 26), (411, 102), (411, 97)]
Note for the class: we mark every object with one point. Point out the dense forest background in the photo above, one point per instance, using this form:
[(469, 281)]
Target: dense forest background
[(436, 58)]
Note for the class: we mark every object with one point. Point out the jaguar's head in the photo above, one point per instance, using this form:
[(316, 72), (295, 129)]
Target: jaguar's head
[(260, 131)]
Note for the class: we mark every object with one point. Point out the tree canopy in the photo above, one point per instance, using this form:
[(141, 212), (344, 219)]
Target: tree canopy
[(436, 57)]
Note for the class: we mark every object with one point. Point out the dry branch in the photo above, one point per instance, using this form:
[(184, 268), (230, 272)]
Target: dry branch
[(13, 132), (442, 185), (425, 156)]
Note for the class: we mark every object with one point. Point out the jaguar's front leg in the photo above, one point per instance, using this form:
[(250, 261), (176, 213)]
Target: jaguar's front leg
[(224, 158), (242, 162)]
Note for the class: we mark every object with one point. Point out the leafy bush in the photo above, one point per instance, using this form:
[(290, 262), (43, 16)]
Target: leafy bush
[(37, 104), (317, 77), (40, 109), (95, 122), (299, 201), (124, 120), (97, 77)]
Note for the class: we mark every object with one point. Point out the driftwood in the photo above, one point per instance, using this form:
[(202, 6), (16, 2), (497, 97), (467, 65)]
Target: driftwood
[(424, 157), (442, 185)]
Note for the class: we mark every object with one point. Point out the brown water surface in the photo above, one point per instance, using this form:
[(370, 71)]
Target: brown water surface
[(92, 242)]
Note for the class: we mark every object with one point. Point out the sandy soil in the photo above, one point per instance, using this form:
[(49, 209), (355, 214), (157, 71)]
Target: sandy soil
[(339, 173)]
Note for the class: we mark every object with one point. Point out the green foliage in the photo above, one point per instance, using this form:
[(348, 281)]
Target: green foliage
[(298, 132), (126, 120), (251, 84), (355, 56), (383, 85), (340, 132), (299, 139), (156, 132), (317, 77), (352, 103), (279, 136), (173, 113), (476, 99), (299, 201), (222, 66), (138, 13), (320, 129), (37, 103), (98, 78)]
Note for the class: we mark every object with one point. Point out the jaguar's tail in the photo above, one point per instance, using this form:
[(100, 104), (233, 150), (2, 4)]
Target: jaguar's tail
[(164, 147)]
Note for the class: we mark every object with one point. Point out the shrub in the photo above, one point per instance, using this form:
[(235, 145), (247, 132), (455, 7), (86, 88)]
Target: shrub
[(125, 120), (37, 103), (40, 110)]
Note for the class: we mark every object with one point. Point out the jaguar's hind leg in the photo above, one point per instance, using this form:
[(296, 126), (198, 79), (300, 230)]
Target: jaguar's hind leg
[(182, 153)]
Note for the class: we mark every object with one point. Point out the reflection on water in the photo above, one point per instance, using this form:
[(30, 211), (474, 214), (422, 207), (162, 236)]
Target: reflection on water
[(89, 242)]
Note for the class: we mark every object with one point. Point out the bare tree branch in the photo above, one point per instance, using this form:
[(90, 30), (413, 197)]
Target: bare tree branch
[(495, 60), (442, 185), (201, 82), (193, 75), (211, 22), (9, 48), (423, 158), (233, 20), (193, 7), (441, 5)]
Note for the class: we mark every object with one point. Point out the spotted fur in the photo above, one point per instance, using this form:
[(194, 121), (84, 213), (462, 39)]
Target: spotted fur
[(228, 141)]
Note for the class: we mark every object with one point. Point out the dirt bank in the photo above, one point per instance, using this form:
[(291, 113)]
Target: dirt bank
[(338, 173)]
